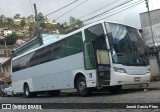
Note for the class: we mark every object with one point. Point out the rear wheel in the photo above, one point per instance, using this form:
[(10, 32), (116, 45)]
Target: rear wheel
[(81, 87)]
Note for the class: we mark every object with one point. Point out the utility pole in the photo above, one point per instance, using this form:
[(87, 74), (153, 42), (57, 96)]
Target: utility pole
[(38, 29), (6, 48), (150, 24)]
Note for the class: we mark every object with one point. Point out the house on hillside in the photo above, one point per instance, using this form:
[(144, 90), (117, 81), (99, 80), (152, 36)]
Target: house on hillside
[(7, 32)]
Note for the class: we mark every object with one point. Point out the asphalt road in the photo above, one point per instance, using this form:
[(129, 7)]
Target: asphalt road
[(126, 96)]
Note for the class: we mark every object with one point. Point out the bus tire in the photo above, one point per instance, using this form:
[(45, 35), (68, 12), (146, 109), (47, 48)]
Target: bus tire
[(81, 87), (27, 92), (13, 94), (115, 89)]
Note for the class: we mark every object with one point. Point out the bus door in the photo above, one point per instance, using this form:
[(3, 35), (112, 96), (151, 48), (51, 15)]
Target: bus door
[(102, 61)]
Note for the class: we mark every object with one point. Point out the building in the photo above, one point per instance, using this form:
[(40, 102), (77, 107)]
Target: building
[(7, 32), (146, 32)]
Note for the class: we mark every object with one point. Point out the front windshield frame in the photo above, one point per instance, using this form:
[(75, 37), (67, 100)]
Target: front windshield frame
[(128, 48)]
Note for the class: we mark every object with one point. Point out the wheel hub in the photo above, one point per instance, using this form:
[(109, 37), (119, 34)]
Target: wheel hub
[(82, 86)]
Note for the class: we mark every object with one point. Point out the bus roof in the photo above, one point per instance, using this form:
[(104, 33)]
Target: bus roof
[(71, 33)]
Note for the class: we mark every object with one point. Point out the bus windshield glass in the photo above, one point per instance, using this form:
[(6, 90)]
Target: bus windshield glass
[(128, 48)]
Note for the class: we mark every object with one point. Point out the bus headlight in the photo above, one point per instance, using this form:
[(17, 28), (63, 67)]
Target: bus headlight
[(121, 70)]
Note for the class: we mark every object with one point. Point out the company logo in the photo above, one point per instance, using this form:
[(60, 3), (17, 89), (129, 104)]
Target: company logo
[(21, 106), (6, 106)]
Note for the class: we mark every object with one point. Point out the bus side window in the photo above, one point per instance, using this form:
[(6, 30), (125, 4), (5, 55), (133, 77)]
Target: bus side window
[(74, 44), (15, 65), (33, 60), (57, 50), (23, 61), (44, 55)]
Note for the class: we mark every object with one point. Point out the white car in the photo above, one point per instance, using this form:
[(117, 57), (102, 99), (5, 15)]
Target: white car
[(8, 91)]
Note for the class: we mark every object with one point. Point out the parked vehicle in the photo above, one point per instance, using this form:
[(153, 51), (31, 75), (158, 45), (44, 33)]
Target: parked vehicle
[(7, 90)]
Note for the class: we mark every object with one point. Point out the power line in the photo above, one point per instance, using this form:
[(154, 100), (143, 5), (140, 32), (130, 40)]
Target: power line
[(98, 9), (131, 5), (123, 9), (71, 9), (121, 4), (61, 8)]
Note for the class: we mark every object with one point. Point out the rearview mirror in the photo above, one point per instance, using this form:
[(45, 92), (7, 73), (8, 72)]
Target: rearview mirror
[(110, 39)]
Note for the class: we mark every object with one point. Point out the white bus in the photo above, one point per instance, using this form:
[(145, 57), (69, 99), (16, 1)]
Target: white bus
[(100, 55)]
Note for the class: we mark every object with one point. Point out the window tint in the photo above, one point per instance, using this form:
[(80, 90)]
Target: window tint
[(74, 44), (15, 66), (23, 61), (68, 46), (58, 50), (33, 59), (44, 55)]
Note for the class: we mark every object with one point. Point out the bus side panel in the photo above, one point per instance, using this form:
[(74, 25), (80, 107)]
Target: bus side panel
[(54, 71), (55, 81), (18, 85)]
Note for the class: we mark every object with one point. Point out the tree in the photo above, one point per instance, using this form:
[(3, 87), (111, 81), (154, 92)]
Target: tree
[(72, 22), (23, 22), (9, 21), (31, 18), (2, 19), (40, 17), (17, 16), (75, 23), (11, 40)]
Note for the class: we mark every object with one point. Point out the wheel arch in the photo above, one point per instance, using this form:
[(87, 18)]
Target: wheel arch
[(79, 74), (25, 83)]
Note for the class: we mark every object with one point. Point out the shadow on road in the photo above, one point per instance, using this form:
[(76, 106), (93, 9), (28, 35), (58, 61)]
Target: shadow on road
[(97, 93)]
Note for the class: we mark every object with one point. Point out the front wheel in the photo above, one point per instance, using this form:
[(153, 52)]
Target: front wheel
[(81, 87), (27, 92)]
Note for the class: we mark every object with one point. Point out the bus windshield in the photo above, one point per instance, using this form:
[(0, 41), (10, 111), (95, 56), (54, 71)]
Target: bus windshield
[(128, 48)]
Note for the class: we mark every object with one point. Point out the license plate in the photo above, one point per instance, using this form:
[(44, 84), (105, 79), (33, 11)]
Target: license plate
[(137, 79)]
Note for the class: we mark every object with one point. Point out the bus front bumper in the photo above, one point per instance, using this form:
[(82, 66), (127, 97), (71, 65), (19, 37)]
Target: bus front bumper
[(124, 78)]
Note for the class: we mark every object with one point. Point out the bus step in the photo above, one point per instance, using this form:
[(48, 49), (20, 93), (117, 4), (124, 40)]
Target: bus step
[(104, 85)]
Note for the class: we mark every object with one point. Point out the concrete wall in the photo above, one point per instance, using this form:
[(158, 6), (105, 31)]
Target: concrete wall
[(154, 67), (155, 18)]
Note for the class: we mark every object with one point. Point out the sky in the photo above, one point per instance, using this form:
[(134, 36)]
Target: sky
[(9, 8)]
